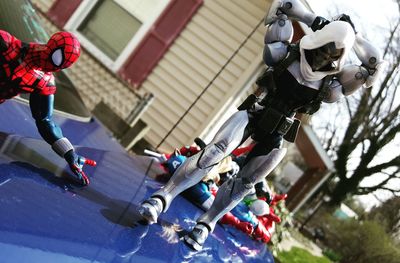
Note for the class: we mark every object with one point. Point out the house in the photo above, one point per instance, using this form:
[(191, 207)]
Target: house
[(177, 67), (169, 48)]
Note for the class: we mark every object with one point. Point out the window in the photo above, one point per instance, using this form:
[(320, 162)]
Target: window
[(111, 29)]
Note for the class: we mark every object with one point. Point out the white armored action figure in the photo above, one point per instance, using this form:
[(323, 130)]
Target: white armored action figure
[(299, 77)]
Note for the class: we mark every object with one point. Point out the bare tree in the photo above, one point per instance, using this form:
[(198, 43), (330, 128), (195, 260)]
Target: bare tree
[(367, 146)]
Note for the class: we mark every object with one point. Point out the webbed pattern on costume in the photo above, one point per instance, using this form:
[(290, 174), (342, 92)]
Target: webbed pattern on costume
[(23, 79), (17, 75), (9, 46), (33, 80)]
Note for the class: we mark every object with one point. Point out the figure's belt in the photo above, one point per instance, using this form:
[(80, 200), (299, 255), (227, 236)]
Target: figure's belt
[(274, 121)]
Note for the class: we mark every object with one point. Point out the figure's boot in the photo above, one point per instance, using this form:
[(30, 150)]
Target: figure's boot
[(196, 167), (231, 193), (187, 175)]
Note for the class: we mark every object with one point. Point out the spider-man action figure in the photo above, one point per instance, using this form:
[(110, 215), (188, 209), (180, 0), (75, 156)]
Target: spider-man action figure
[(26, 68)]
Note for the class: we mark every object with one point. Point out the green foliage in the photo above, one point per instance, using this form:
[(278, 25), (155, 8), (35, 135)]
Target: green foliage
[(360, 242), (299, 255), (332, 255), (388, 215)]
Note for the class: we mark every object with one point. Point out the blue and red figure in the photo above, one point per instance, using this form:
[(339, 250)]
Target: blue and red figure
[(27, 68), (256, 217)]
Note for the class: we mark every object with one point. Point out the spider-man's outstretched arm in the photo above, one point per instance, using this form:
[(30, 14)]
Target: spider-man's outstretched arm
[(42, 111)]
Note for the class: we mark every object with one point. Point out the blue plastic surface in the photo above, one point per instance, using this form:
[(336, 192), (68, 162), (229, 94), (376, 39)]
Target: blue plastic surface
[(16, 118), (45, 217)]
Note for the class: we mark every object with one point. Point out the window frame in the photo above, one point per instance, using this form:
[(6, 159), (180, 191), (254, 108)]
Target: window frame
[(81, 14)]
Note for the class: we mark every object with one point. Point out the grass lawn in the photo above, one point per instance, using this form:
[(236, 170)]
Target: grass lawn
[(299, 255)]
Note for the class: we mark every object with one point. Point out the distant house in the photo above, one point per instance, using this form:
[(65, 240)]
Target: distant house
[(147, 61)]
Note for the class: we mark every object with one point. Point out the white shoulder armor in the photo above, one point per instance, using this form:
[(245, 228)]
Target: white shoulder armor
[(280, 30), (274, 53)]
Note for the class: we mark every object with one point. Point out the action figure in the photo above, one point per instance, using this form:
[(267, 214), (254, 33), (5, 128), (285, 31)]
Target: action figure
[(200, 194), (299, 78), (26, 68)]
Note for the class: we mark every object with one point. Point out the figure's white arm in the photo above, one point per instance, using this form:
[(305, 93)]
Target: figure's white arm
[(277, 37), (370, 57), (294, 10), (280, 30), (352, 76)]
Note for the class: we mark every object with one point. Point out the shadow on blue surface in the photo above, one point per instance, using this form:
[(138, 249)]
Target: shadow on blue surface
[(46, 217)]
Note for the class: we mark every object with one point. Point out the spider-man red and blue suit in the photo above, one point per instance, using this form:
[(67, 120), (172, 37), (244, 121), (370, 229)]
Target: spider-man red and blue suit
[(27, 68)]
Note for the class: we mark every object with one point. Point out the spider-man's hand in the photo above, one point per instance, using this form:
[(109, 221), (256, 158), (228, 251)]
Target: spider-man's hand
[(76, 163)]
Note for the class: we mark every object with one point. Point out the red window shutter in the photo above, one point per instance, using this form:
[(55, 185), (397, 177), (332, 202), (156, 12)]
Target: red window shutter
[(61, 10), (157, 41)]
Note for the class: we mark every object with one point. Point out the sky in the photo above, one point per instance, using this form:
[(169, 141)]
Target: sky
[(372, 19), (367, 15)]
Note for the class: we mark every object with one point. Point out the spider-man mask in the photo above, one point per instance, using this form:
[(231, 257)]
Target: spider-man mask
[(61, 51)]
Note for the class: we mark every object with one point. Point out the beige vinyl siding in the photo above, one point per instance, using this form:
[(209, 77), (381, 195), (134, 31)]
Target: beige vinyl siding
[(207, 42), (203, 47)]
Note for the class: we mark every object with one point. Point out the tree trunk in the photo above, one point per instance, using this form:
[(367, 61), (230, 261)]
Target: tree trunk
[(343, 189)]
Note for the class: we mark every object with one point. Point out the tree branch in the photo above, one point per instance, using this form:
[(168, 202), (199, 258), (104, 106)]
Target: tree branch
[(368, 190), (395, 162), (392, 34), (384, 84), (386, 122), (384, 139)]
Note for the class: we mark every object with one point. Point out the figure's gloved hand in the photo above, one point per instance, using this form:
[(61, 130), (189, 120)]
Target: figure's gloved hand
[(76, 163), (319, 23), (346, 18)]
